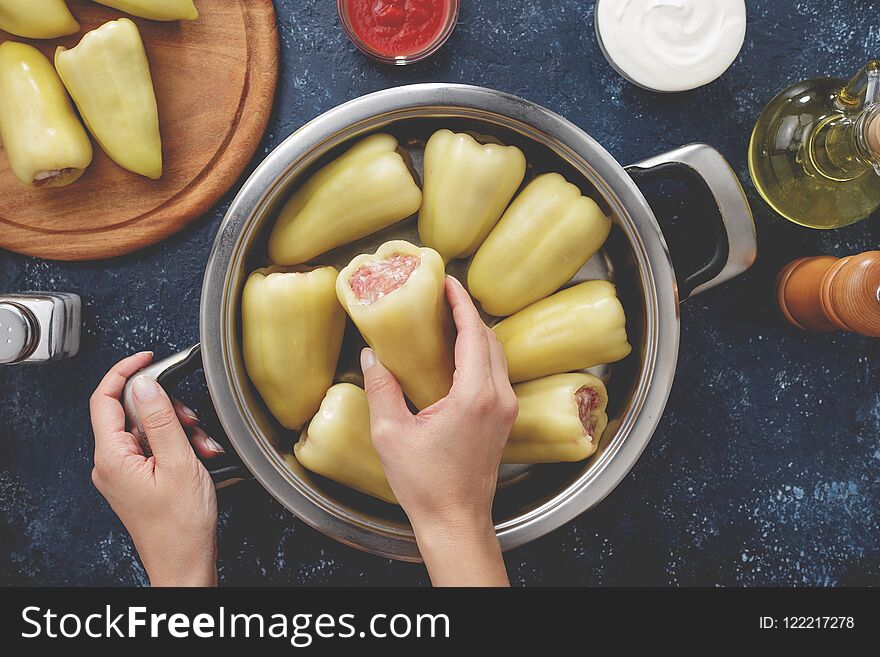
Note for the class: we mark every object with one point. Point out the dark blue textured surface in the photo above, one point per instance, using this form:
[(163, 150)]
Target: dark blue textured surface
[(765, 467)]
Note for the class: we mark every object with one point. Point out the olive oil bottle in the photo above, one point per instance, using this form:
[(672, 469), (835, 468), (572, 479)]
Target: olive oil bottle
[(815, 151)]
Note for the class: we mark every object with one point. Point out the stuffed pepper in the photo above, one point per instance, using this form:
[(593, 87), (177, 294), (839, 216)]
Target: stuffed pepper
[(561, 419), (292, 328), (337, 445), (37, 19), (43, 139), (576, 328), (368, 188), (467, 186), (397, 299), (108, 77), (547, 234), (157, 10)]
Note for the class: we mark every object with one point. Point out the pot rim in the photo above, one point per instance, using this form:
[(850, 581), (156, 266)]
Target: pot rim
[(370, 113)]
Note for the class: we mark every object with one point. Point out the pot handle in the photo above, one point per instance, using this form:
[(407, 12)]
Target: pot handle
[(224, 470), (710, 179)]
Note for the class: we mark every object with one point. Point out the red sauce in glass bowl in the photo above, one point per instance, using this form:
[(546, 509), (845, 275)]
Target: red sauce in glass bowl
[(398, 31)]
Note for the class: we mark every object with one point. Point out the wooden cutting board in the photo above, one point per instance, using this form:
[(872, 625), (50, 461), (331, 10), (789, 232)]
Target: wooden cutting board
[(215, 84)]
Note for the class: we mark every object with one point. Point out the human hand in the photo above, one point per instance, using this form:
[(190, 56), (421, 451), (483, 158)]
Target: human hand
[(442, 464), (166, 501)]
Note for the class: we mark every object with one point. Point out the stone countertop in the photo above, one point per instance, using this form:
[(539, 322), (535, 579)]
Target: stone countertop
[(764, 470)]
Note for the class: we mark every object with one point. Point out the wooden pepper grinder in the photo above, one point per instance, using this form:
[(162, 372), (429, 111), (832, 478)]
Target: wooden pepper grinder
[(825, 293)]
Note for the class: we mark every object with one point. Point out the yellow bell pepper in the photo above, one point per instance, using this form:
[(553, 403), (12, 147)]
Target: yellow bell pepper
[(362, 191), (561, 419), (467, 186), (397, 298), (337, 445), (547, 234), (576, 328), (157, 10), (43, 139), (37, 19), (108, 77), (292, 328)]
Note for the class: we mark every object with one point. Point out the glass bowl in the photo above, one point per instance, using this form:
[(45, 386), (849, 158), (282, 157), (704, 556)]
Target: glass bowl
[(399, 60)]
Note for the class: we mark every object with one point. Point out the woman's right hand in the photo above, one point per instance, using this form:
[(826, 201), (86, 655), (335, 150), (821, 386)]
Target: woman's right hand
[(443, 463)]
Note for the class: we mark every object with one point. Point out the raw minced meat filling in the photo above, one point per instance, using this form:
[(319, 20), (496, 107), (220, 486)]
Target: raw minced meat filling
[(587, 399), (374, 280)]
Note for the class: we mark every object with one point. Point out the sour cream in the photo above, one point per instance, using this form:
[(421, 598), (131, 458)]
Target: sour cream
[(671, 45)]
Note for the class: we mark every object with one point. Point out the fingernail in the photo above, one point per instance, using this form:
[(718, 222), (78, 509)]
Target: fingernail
[(368, 359), (144, 353), (190, 413), (214, 446), (145, 388)]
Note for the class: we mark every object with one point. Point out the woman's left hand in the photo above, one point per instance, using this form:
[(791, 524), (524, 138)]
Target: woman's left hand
[(166, 501)]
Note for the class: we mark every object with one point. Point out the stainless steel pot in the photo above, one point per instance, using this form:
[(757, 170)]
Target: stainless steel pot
[(531, 501)]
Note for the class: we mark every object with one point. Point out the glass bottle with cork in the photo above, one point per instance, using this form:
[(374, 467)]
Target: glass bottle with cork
[(815, 151)]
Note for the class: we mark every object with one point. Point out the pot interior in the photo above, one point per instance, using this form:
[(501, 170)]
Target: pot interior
[(522, 489)]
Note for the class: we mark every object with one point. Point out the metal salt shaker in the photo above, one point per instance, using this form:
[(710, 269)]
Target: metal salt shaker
[(39, 327)]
